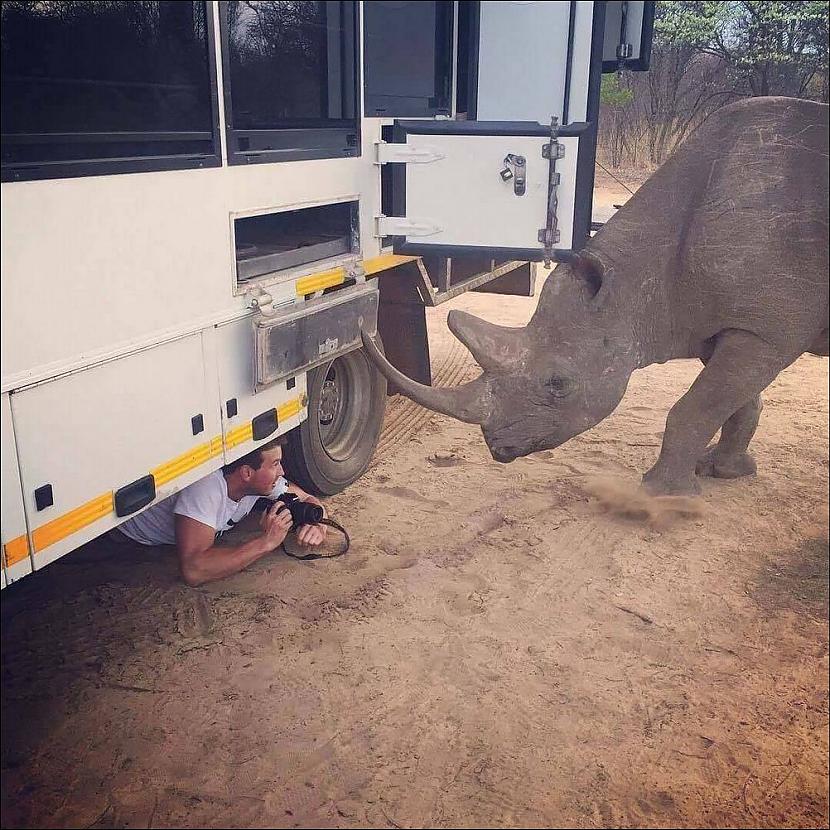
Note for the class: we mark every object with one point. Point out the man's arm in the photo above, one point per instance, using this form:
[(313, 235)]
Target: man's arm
[(200, 560)]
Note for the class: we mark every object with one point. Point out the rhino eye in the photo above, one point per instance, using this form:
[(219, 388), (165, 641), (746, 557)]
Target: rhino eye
[(558, 387)]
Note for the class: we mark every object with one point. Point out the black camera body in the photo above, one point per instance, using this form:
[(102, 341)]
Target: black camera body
[(302, 512)]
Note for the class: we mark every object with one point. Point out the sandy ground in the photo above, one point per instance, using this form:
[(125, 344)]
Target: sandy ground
[(501, 646)]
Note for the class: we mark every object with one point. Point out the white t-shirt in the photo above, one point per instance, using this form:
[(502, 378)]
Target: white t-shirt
[(205, 500)]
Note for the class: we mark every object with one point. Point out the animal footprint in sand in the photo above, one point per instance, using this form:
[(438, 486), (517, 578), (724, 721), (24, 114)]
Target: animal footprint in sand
[(445, 459)]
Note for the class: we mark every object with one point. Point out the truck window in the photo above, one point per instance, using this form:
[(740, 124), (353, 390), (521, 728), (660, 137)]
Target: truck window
[(91, 88), (407, 58), (290, 80)]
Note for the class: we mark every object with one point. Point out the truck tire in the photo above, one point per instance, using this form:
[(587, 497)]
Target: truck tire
[(334, 445)]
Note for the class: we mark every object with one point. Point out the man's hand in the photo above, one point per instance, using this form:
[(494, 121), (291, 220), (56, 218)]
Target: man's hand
[(308, 534), (275, 523), (311, 534)]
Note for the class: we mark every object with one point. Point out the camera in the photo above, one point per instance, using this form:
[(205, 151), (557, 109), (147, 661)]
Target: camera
[(302, 512)]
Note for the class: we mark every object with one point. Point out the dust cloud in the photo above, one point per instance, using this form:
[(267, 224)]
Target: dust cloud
[(624, 499)]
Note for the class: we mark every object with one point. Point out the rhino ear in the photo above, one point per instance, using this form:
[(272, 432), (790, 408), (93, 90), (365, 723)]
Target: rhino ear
[(579, 286), (591, 274)]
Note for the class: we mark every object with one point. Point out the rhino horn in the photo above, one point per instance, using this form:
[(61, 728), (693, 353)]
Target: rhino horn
[(495, 348), (466, 403)]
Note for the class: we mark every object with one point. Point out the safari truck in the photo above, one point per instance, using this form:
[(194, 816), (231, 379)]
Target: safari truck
[(204, 202)]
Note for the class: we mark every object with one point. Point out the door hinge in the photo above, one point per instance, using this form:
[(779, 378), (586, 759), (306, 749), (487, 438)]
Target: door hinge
[(402, 226), (405, 154)]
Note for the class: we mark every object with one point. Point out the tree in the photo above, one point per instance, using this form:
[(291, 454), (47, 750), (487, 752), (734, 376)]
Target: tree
[(616, 99), (680, 90), (707, 54), (770, 47)]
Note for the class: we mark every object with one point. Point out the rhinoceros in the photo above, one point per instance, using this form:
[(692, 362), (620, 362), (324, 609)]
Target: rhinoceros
[(721, 255)]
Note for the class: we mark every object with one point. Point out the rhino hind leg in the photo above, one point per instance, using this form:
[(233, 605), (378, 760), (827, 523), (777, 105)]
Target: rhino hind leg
[(729, 457), (725, 393)]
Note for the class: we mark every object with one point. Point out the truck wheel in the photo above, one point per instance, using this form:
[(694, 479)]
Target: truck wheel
[(334, 445)]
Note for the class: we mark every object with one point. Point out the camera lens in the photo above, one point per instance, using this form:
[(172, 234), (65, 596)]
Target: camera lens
[(302, 513), (306, 514)]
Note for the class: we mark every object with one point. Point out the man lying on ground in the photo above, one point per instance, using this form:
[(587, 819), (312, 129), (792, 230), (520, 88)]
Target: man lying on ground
[(193, 519)]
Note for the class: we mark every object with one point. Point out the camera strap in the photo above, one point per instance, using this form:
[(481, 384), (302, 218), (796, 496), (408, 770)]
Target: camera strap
[(295, 550)]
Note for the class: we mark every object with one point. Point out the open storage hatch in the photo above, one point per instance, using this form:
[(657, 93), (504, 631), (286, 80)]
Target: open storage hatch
[(272, 242)]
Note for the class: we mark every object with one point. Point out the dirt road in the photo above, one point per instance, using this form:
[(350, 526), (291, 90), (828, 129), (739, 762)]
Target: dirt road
[(500, 647)]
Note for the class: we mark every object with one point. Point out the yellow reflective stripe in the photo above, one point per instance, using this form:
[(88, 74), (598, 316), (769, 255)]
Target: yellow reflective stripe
[(336, 276), (186, 461), (317, 282), (383, 263), (67, 524), (103, 505), (288, 410), (239, 435), (16, 550)]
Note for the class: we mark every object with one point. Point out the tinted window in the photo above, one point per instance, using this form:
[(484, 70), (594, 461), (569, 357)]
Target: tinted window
[(407, 57), (291, 66), (85, 81)]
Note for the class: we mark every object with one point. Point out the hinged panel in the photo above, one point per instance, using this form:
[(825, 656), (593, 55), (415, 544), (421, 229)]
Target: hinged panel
[(290, 343), (87, 435), (17, 561), (523, 55), (493, 189)]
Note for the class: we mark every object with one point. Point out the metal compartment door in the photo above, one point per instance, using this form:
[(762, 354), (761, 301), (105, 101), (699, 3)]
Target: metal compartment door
[(17, 561), (505, 188), (522, 64), (88, 442)]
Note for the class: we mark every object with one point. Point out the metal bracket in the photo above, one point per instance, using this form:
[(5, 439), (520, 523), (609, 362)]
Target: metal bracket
[(553, 147), (356, 272), (624, 51), (405, 154), (548, 238), (261, 301), (402, 226)]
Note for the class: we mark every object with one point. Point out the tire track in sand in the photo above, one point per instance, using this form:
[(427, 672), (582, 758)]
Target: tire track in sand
[(405, 418)]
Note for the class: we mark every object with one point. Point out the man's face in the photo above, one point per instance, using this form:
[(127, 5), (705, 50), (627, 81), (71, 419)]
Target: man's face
[(263, 480)]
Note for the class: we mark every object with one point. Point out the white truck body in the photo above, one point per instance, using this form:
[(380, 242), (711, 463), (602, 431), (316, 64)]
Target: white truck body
[(127, 331)]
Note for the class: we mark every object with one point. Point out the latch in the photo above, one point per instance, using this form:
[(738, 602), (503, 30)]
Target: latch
[(402, 226), (552, 151), (515, 169), (405, 154), (624, 49), (260, 300), (356, 272)]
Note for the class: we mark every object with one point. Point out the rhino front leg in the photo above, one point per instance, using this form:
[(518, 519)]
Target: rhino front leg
[(740, 368), (729, 457)]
